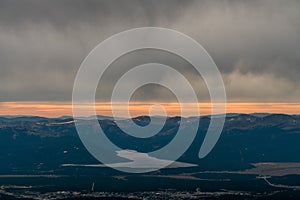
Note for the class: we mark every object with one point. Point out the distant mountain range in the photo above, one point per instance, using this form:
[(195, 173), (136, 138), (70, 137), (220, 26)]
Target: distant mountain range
[(32, 144)]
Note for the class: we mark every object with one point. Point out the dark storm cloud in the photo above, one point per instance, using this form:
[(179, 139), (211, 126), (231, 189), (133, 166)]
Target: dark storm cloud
[(254, 43)]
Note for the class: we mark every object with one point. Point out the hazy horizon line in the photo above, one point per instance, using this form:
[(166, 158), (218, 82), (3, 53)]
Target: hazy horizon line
[(59, 108), (255, 113)]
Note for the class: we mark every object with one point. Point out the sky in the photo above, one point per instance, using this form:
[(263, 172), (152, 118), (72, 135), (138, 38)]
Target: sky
[(255, 44)]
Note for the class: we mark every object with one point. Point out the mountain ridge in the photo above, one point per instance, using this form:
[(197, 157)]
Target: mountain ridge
[(245, 139)]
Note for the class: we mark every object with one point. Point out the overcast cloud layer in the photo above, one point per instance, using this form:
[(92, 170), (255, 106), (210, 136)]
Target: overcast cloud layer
[(255, 44)]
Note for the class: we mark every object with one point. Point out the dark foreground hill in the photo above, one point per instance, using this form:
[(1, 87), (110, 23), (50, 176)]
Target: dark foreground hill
[(256, 157)]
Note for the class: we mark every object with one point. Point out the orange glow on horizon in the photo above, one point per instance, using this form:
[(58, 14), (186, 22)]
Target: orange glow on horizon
[(56, 109)]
